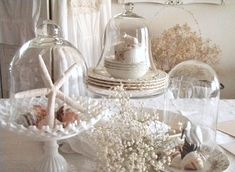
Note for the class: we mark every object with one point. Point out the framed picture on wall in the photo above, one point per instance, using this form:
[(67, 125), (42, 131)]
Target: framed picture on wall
[(175, 2)]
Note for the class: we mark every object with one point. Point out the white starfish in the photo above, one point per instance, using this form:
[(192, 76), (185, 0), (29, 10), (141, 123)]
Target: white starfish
[(51, 91)]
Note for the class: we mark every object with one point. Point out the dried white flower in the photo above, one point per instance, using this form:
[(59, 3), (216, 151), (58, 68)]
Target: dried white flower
[(180, 43), (126, 142)]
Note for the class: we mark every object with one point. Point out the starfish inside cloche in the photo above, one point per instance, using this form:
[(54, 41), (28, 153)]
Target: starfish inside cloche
[(47, 78)]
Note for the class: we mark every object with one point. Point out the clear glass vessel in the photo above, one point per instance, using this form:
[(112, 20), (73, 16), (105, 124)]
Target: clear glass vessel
[(194, 92), (126, 53), (47, 77)]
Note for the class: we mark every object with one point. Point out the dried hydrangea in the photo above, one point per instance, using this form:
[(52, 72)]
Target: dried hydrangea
[(131, 140), (180, 43)]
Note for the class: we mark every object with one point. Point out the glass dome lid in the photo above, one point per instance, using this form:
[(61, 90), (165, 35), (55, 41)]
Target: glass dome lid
[(48, 77), (194, 92), (126, 53)]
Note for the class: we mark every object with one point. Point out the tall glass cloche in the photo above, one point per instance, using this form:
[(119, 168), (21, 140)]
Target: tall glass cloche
[(194, 92), (126, 59), (47, 77), (126, 52)]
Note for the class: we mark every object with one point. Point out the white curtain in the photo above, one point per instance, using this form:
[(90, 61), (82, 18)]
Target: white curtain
[(83, 23), (18, 19)]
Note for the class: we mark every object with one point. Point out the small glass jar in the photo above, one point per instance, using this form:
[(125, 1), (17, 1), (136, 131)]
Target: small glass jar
[(47, 77)]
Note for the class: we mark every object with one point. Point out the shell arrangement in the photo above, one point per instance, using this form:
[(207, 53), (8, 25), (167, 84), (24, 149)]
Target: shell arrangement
[(38, 116), (188, 157), (180, 43)]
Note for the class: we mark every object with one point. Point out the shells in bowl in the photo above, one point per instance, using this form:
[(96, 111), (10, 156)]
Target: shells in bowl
[(38, 117)]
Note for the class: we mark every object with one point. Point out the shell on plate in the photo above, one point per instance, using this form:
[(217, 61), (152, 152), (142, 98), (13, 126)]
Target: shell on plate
[(192, 161)]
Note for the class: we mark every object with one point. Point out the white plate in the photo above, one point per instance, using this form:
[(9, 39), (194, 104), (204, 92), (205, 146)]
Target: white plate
[(122, 64), (153, 83), (156, 82), (217, 162), (128, 87), (139, 86), (127, 84), (133, 93), (150, 76)]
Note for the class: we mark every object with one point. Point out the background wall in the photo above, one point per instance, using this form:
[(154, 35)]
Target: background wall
[(216, 22)]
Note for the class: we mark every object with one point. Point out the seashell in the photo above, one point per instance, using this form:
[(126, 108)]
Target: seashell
[(42, 122), (27, 119), (40, 111), (192, 161), (66, 116), (176, 161)]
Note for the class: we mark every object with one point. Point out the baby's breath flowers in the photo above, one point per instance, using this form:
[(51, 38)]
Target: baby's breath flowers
[(132, 139), (180, 43)]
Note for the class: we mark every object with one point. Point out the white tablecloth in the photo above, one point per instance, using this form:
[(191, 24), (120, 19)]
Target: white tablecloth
[(18, 154)]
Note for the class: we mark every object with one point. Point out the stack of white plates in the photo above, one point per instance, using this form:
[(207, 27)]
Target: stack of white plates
[(124, 70), (152, 83)]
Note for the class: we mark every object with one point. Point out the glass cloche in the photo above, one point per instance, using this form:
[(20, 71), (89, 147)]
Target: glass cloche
[(47, 77), (194, 92), (126, 59), (126, 52)]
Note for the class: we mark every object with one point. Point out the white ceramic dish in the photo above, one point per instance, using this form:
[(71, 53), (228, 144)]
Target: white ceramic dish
[(216, 162), (150, 76), (127, 84), (137, 86), (153, 83), (133, 93), (132, 73), (122, 63)]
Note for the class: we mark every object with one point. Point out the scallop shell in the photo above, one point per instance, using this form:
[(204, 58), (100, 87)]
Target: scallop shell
[(192, 161)]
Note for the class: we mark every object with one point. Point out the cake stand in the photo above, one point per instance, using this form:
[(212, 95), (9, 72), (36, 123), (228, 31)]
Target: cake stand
[(52, 161)]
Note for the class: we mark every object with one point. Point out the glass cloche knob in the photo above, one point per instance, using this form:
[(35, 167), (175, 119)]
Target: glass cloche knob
[(129, 7), (48, 29)]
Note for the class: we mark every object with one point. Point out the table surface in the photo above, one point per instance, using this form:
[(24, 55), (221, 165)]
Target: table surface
[(19, 154)]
